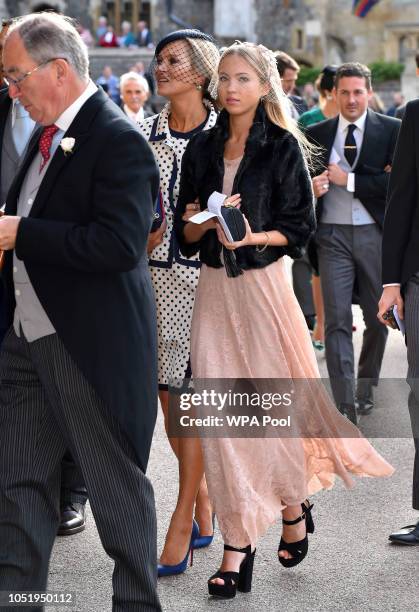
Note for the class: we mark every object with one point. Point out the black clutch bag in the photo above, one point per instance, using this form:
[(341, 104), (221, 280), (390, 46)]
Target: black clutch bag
[(234, 222), (159, 215)]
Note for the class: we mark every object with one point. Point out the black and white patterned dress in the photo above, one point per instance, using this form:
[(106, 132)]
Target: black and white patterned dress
[(174, 277)]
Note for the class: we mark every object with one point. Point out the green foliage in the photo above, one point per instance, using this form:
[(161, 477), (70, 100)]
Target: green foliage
[(385, 71), (381, 71), (308, 75)]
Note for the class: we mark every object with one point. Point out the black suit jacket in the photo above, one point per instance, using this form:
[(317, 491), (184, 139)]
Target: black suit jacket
[(401, 226), (84, 247), (299, 103), (371, 181), (5, 104), (400, 111)]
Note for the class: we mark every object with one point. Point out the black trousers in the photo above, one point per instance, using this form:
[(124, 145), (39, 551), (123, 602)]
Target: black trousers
[(73, 488), (46, 407), (412, 340)]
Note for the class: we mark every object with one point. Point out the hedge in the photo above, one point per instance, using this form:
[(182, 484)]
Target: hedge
[(381, 71)]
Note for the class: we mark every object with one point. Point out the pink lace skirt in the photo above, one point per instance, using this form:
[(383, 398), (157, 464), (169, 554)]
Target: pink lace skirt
[(252, 327)]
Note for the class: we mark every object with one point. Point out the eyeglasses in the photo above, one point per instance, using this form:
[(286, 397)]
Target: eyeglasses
[(16, 82)]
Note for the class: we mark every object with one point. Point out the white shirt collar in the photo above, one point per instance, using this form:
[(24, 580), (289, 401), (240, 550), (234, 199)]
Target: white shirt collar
[(67, 117), (137, 117), (360, 123)]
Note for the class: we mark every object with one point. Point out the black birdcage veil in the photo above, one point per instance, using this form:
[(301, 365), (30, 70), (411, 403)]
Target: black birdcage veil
[(188, 60)]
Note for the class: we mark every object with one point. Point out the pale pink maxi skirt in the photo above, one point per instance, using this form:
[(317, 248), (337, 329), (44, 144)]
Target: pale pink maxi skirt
[(252, 327)]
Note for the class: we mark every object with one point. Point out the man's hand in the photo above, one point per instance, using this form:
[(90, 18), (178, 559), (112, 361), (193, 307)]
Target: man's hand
[(156, 238), (337, 176), (391, 296), (8, 232), (321, 184)]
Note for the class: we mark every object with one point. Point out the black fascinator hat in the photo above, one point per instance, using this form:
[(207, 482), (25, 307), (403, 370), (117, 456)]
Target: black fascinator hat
[(181, 35), (327, 77), (196, 60)]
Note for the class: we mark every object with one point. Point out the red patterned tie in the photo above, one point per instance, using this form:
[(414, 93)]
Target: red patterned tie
[(45, 143)]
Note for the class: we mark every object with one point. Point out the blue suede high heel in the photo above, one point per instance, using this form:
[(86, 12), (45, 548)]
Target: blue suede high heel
[(173, 570), (203, 541)]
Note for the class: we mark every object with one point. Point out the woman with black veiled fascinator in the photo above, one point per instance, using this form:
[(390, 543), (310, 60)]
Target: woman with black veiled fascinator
[(185, 69)]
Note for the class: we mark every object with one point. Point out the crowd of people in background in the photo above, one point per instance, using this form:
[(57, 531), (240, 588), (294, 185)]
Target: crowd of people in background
[(105, 35)]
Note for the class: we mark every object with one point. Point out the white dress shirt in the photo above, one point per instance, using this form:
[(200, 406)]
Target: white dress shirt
[(135, 117), (341, 134)]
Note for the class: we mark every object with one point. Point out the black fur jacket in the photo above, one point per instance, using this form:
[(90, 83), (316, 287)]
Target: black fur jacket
[(272, 179)]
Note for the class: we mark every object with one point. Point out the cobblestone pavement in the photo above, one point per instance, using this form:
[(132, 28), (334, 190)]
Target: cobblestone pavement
[(350, 565)]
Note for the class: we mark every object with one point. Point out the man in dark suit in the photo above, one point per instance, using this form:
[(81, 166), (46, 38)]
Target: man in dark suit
[(302, 271), (78, 363), (357, 153), (16, 128), (288, 71), (400, 111), (144, 36), (401, 274)]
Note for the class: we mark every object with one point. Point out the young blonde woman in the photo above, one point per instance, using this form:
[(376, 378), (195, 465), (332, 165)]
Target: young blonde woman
[(247, 323), (184, 66)]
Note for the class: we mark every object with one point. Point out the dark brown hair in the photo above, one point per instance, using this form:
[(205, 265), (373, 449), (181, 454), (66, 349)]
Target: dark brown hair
[(284, 61), (354, 69)]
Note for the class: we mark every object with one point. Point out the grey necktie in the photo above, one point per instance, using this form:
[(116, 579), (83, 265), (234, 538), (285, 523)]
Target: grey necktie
[(22, 128)]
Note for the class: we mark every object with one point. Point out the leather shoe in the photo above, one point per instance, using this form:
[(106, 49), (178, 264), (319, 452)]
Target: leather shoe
[(364, 406), (349, 410), (364, 397), (407, 535), (72, 520)]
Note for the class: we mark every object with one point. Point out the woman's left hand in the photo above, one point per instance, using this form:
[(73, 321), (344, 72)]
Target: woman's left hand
[(231, 246), (191, 210)]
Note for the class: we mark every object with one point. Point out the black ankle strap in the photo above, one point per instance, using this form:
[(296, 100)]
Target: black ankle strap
[(295, 521), (240, 550)]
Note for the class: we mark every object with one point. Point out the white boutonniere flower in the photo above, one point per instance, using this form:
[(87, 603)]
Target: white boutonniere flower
[(67, 145)]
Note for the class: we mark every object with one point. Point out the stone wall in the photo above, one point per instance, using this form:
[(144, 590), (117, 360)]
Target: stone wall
[(313, 31), (4, 11), (193, 13), (79, 9), (276, 25), (120, 60)]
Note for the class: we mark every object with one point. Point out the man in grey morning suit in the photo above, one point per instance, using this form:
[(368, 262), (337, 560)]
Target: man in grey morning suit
[(356, 158), (78, 363), (16, 128)]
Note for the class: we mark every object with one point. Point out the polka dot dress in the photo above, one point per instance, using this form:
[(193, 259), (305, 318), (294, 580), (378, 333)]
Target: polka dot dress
[(174, 277)]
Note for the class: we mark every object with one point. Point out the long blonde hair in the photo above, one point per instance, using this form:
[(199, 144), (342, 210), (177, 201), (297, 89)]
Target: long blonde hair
[(275, 102)]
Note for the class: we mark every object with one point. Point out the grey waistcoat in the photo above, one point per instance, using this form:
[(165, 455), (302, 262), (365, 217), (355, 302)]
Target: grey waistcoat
[(29, 313), (341, 207)]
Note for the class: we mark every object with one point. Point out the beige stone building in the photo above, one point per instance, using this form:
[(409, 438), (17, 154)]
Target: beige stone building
[(314, 31)]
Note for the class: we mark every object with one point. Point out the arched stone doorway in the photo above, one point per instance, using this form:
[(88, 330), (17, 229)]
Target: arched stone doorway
[(126, 10)]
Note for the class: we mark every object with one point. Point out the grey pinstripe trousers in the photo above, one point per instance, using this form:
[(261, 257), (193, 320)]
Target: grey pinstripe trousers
[(47, 406), (412, 340)]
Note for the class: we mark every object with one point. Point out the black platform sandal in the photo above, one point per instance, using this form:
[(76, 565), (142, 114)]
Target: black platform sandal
[(299, 549), (234, 581)]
